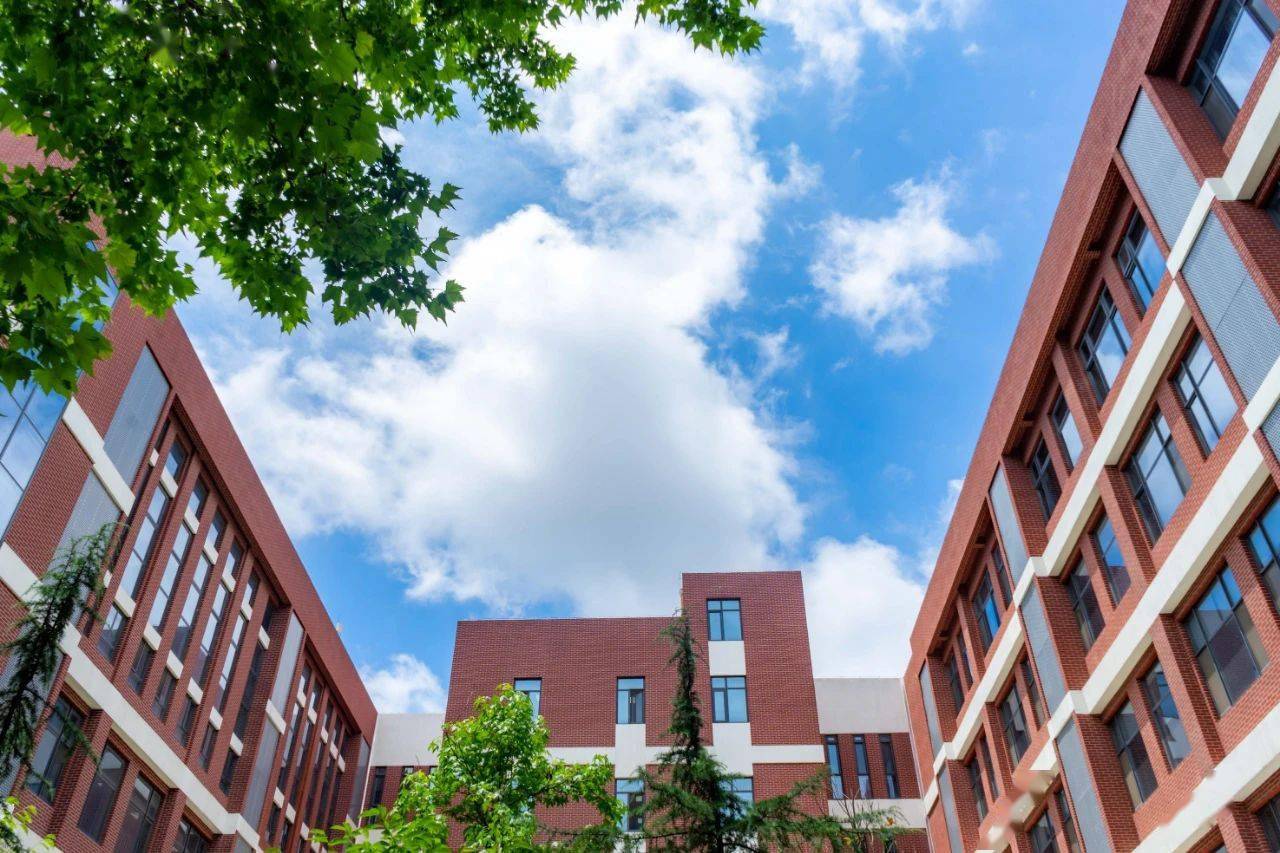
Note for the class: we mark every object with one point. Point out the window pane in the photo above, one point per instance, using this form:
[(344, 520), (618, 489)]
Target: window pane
[(1065, 423), (56, 745), (139, 817), (1264, 542), (1205, 394), (102, 794), (1165, 711)]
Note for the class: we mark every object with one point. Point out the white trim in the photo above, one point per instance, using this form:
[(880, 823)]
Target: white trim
[(169, 484), (264, 639), (235, 744), (151, 637), (86, 434), (1181, 245), (195, 691), (193, 523), (274, 716), (173, 664), (210, 552), (215, 718), (126, 603)]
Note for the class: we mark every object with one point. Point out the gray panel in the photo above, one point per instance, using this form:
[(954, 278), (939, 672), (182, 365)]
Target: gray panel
[(930, 711), (1271, 429), (288, 661), (135, 417), (243, 846), (1162, 174), (1237, 314), (1083, 794), (263, 765), (949, 813), (93, 509), (1015, 550), (1046, 656), (359, 781)]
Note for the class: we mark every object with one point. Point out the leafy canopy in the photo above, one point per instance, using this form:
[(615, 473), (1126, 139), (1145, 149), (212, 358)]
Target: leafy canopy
[(255, 128)]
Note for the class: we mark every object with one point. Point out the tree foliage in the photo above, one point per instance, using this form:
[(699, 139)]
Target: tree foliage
[(258, 130), (689, 803)]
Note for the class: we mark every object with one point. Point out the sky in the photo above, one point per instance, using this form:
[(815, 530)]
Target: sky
[(722, 314)]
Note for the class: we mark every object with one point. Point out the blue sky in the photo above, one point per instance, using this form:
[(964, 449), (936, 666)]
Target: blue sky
[(722, 314)]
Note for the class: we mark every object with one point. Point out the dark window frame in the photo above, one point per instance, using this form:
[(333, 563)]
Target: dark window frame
[(1084, 603), (630, 701), (1219, 105), (1129, 258), (1131, 753), (1103, 318), (1157, 437), (1194, 394), (1205, 642), (717, 621), (723, 688)]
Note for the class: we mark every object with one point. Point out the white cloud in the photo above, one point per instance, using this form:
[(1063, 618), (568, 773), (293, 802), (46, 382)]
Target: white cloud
[(405, 685), (567, 437), (888, 275), (832, 35)]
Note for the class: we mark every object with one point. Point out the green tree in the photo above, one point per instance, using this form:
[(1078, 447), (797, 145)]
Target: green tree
[(258, 130), (689, 801), (492, 774)]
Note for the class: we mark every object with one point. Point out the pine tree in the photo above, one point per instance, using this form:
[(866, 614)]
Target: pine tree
[(689, 801)]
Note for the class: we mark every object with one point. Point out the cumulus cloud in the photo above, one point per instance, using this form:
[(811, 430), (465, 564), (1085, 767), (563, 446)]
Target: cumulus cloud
[(567, 437), (832, 35), (405, 685), (888, 275)]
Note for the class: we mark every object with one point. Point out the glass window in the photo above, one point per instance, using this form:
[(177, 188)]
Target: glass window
[(112, 632), (984, 607), (724, 619), (1042, 836), (251, 691), (206, 746), (141, 666), (1269, 817), (1157, 476), (177, 556), (199, 495), (1038, 710), (56, 746), (174, 461), (953, 680), (189, 840), (378, 785), (139, 817), (1264, 542), (1168, 722), (834, 773), (1103, 346), (975, 786), (147, 522), (1225, 641), (204, 654), (863, 766), (229, 661), (1205, 394), (229, 771), (729, 698), (1140, 261), (1229, 61), (985, 756), (102, 794), (742, 788), (1045, 479), (1085, 604), (630, 793), (27, 418), (186, 721), (630, 701), (164, 694), (1117, 574), (531, 687), (1065, 424), (1068, 822), (1002, 577), (1135, 765), (890, 767), (1014, 722)]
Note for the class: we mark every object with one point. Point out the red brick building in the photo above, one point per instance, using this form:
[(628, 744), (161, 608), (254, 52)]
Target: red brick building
[(604, 688), (1094, 663), (214, 687)]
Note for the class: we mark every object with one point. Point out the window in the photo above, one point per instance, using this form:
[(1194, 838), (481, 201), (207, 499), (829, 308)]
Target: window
[(379, 783), (1085, 604), (1157, 476), (228, 771), (742, 788), (1103, 346), (630, 701), (191, 841), (141, 666), (953, 679), (1068, 822), (1264, 542), (834, 773), (1205, 394), (975, 786), (250, 692), (1168, 722), (56, 746), (1140, 261), (102, 794), (1014, 722), (206, 746), (1230, 59), (1002, 576), (724, 619), (176, 458), (1117, 575), (204, 655), (1269, 817), (112, 631), (140, 554), (985, 756), (177, 556), (186, 721), (139, 817), (1042, 836), (164, 694), (1044, 479), (1135, 765), (630, 793), (1065, 424), (1225, 641), (729, 699), (984, 607), (862, 765), (890, 767), (229, 661), (27, 418), (531, 687), (1033, 691)]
